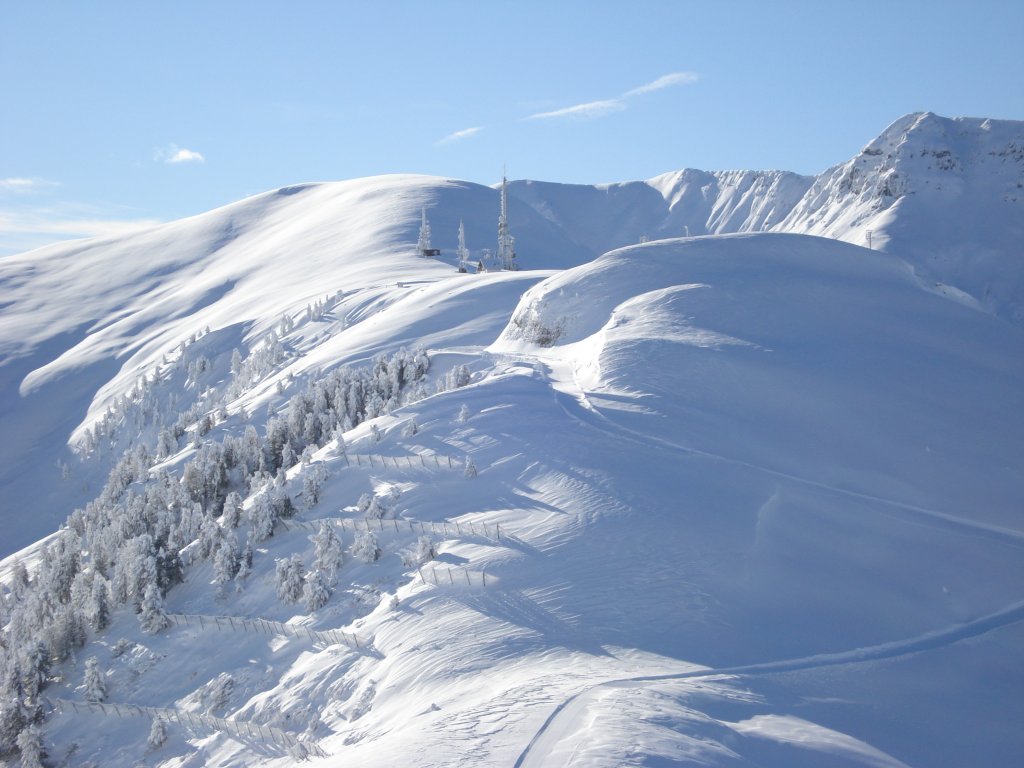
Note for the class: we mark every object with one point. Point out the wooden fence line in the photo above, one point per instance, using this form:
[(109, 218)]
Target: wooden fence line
[(484, 530), (444, 577), (268, 627), (243, 729), (413, 461)]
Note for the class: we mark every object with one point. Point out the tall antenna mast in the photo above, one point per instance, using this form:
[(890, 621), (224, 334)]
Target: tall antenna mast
[(506, 243), (463, 251)]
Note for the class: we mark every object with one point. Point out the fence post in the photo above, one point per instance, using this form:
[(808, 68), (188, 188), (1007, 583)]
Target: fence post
[(451, 579), (458, 527), (466, 571), (483, 573), (201, 625), (449, 462), (395, 521)]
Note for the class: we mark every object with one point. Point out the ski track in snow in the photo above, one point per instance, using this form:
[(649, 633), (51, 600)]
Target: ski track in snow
[(549, 735)]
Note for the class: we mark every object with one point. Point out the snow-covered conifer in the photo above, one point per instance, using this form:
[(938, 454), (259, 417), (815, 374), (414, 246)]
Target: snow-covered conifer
[(411, 428), (288, 457), (470, 470), (95, 686), (262, 518), (327, 552), (98, 611), (157, 734), (152, 616), (316, 591), (232, 515), (313, 480), (463, 416), (30, 744), (12, 721), (423, 551), (365, 547), (290, 575), (226, 559), (375, 434)]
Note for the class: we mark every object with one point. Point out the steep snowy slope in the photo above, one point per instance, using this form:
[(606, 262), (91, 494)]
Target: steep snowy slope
[(84, 322), (737, 501)]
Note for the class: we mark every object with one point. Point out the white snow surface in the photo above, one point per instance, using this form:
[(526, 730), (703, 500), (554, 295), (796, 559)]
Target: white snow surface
[(741, 499)]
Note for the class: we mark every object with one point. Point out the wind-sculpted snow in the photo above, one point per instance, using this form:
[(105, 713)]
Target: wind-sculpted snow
[(734, 500)]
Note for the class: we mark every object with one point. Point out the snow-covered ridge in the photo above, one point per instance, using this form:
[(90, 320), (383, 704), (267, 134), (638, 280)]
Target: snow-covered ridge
[(945, 194), (737, 499)]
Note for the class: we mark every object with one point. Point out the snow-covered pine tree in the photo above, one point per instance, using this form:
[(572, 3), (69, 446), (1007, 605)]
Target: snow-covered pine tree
[(30, 744), (226, 560), (315, 591), (289, 577), (152, 616), (365, 547), (313, 480), (157, 734), (470, 470), (327, 552), (262, 518), (232, 515), (95, 686)]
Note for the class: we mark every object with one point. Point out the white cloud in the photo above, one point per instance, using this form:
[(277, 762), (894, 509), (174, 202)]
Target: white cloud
[(604, 107), (25, 185), (665, 81), (175, 154), (585, 111), (465, 133)]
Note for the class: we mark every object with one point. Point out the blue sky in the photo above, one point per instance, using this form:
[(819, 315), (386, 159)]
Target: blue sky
[(116, 113)]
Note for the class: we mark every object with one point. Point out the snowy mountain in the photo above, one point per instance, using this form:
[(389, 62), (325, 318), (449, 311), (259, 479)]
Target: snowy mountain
[(946, 195), (747, 498)]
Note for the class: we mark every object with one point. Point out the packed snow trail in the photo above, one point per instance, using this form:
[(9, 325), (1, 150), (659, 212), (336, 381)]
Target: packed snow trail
[(548, 735)]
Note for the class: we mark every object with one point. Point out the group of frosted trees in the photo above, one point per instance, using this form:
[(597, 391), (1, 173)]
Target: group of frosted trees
[(146, 524)]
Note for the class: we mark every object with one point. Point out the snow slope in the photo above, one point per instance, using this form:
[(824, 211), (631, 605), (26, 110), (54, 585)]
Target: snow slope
[(84, 321), (747, 499), (750, 502)]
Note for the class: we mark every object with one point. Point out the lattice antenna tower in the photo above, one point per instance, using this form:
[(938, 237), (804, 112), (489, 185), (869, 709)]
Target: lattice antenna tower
[(506, 243)]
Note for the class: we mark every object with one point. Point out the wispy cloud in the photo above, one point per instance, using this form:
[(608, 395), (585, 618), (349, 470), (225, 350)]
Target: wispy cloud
[(665, 81), (175, 154), (26, 185), (584, 111), (465, 133), (592, 109)]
